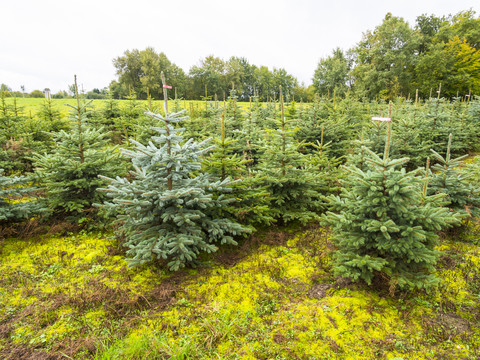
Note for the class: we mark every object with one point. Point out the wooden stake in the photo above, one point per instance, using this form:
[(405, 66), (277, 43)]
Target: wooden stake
[(79, 115), (389, 132), (149, 98), (169, 146), (283, 132), (425, 185), (447, 157), (223, 144)]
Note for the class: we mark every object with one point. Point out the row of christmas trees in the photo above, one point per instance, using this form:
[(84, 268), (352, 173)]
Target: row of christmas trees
[(420, 126), (181, 198)]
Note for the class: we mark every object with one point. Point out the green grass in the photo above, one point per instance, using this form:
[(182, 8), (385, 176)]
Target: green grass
[(31, 106)]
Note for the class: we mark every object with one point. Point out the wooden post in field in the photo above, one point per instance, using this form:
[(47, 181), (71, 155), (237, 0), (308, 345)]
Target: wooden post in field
[(79, 115), (206, 103), (215, 112), (149, 100), (389, 130), (425, 185), (283, 133), (169, 147), (416, 105)]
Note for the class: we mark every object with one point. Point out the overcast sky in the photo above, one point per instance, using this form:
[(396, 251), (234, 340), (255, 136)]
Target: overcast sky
[(45, 42)]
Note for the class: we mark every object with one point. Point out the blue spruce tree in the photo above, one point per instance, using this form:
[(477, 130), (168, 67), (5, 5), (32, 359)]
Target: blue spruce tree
[(170, 209)]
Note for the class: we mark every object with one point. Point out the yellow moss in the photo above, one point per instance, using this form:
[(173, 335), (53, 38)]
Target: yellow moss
[(23, 333), (474, 259), (61, 329), (295, 266), (92, 256), (95, 318), (443, 247), (293, 242), (258, 308)]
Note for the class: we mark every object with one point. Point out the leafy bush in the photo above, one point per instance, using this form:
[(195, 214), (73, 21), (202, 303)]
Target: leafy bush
[(36, 94)]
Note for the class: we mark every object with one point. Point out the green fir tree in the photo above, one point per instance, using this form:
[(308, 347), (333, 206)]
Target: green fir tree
[(252, 200), (294, 190), (70, 173), (384, 224), (463, 197)]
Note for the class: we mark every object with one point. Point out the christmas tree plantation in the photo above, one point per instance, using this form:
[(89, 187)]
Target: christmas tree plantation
[(170, 210)]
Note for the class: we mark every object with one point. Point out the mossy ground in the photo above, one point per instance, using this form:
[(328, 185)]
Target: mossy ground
[(74, 296)]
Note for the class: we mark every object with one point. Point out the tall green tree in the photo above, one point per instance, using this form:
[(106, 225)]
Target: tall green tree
[(138, 71), (281, 78), (428, 26), (332, 74), (209, 77), (449, 54), (241, 75), (264, 84), (385, 60)]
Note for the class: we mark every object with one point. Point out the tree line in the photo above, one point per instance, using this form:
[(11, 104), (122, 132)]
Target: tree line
[(436, 55), (139, 72)]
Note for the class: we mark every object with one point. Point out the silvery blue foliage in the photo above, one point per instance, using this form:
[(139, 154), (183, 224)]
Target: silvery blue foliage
[(170, 209)]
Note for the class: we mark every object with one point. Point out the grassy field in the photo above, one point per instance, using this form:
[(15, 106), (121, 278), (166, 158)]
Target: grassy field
[(74, 297), (31, 106)]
